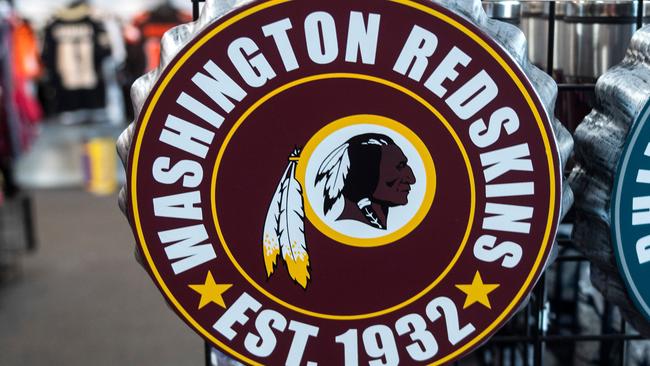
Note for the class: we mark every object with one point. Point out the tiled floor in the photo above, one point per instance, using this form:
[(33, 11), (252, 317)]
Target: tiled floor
[(81, 299)]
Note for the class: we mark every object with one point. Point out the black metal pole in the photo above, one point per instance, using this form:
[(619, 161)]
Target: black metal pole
[(208, 353), (540, 291), (605, 347), (623, 344), (550, 57), (540, 319), (639, 14), (28, 219), (195, 9), (527, 314)]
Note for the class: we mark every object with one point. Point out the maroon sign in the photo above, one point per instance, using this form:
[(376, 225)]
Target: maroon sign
[(342, 183)]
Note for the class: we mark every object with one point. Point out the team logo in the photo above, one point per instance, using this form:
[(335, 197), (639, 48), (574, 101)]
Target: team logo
[(356, 177), (630, 213), (344, 183)]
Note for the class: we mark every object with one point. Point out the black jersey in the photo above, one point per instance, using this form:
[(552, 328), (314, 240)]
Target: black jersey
[(74, 46)]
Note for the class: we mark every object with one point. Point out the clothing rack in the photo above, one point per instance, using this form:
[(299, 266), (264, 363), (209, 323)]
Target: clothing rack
[(16, 222)]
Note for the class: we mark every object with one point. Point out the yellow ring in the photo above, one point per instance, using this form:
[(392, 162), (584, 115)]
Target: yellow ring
[(290, 85), (429, 168)]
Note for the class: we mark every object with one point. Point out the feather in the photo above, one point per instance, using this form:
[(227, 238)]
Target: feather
[(375, 142), (292, 228), (331, 160), (270, 239), (334, 170)]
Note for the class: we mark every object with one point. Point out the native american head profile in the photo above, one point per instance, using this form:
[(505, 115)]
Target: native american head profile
[(370, 174)]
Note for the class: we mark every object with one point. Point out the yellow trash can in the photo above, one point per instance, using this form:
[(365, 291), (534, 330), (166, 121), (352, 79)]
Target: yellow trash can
[(100, 165)]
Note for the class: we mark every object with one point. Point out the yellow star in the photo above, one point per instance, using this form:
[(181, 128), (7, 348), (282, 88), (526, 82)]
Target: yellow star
[(477, 291), (211, 292)]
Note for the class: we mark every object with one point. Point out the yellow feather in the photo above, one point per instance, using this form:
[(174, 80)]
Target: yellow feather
[(270, 240), (298, 268), (271, 251)]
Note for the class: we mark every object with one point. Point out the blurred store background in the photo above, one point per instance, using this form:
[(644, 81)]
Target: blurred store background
[(70, 291)]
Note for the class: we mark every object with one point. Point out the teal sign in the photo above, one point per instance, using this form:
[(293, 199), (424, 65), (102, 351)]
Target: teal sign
[(631, 213)]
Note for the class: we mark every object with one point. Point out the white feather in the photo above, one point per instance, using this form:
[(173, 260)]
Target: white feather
[(332, 159), (335, 169), (292, 228), (374, 142), (271, 240), (335, 182)]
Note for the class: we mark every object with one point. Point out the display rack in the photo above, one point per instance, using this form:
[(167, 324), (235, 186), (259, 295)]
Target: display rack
[(534, 335), (524, 339)]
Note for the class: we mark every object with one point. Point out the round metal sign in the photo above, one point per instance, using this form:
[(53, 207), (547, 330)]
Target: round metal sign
[(336, 182), (610, 182)]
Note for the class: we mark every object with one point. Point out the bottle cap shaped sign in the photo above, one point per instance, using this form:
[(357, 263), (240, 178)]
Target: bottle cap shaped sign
[(337, 183), (611, 179)]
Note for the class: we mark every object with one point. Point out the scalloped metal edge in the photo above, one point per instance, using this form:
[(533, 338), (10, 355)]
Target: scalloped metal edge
[(172, 42), (509, 37), (621, 93)]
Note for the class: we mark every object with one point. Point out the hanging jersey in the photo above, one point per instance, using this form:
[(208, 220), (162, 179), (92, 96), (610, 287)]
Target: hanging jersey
[(143, 38), (26, 59), (145, 33), (74, 61), (74, 47)]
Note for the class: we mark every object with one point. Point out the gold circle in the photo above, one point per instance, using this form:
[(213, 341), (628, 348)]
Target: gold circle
[(429, 168), (377, 80)]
